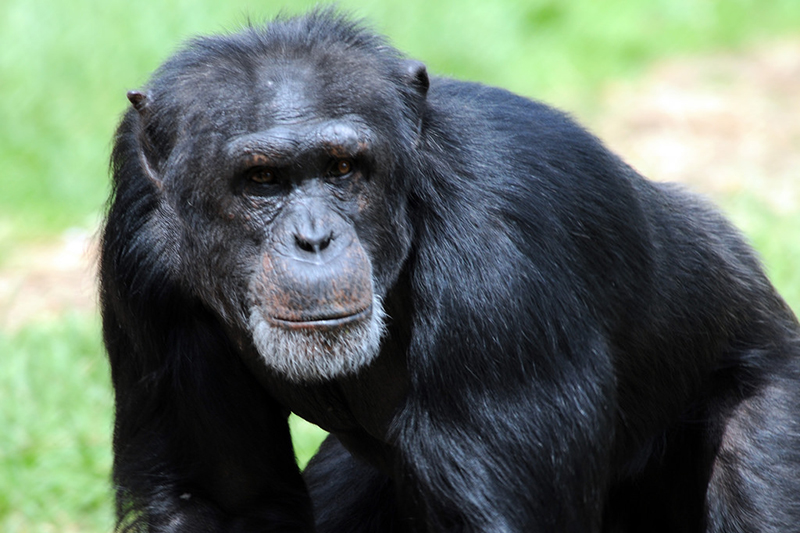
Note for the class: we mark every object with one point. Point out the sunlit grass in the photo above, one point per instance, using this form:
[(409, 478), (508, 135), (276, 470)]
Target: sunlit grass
[(67, 65), (55, 415)]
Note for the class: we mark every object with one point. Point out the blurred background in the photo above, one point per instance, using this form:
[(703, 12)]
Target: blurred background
[(706, 92)]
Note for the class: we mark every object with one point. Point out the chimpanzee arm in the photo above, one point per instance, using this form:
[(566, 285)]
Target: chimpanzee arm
[(199, 445), (351, 496), (511, 453)]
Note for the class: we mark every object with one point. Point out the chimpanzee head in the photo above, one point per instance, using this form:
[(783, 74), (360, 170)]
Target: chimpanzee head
[(280, 160)]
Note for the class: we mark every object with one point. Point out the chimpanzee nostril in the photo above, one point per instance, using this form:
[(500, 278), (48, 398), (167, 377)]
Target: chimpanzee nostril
[(303, 244), (324, 243), (313, 245)]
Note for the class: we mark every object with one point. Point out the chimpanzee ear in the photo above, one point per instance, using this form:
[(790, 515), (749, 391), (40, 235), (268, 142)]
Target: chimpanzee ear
[(417, 76), (141, 103)]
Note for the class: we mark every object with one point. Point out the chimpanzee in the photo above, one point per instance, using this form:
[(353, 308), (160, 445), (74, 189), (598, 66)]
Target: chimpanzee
[(502, 325)]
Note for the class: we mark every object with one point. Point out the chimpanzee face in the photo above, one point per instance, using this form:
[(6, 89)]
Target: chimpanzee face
[(285, 184)]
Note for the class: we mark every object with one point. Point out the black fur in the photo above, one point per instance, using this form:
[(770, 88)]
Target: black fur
[(568, 347)]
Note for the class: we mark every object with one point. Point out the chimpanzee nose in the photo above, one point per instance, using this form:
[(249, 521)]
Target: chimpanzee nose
[(314, 232), (314, 242)]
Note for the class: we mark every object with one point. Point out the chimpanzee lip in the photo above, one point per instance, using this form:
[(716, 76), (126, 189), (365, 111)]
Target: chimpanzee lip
[(322, 322)]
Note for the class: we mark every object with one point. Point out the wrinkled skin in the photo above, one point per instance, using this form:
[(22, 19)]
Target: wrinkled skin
[(502, 325)]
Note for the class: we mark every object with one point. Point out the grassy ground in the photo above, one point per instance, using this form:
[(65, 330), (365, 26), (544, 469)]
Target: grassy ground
[(55, 411), (66, 66), (64, 69)]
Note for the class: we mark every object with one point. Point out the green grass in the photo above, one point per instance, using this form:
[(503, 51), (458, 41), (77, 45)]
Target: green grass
[(66, 66), (306, 438), (55, 411), (64, 70)]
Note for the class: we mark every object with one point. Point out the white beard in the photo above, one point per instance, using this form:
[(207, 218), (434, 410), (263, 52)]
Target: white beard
[(309, 355)]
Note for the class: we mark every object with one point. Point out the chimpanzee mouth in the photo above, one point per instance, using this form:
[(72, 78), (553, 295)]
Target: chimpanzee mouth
[(322, 323), (318, 348)]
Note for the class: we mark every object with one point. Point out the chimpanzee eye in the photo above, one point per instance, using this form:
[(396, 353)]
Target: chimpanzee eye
[(261, 175), (341, 167)]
